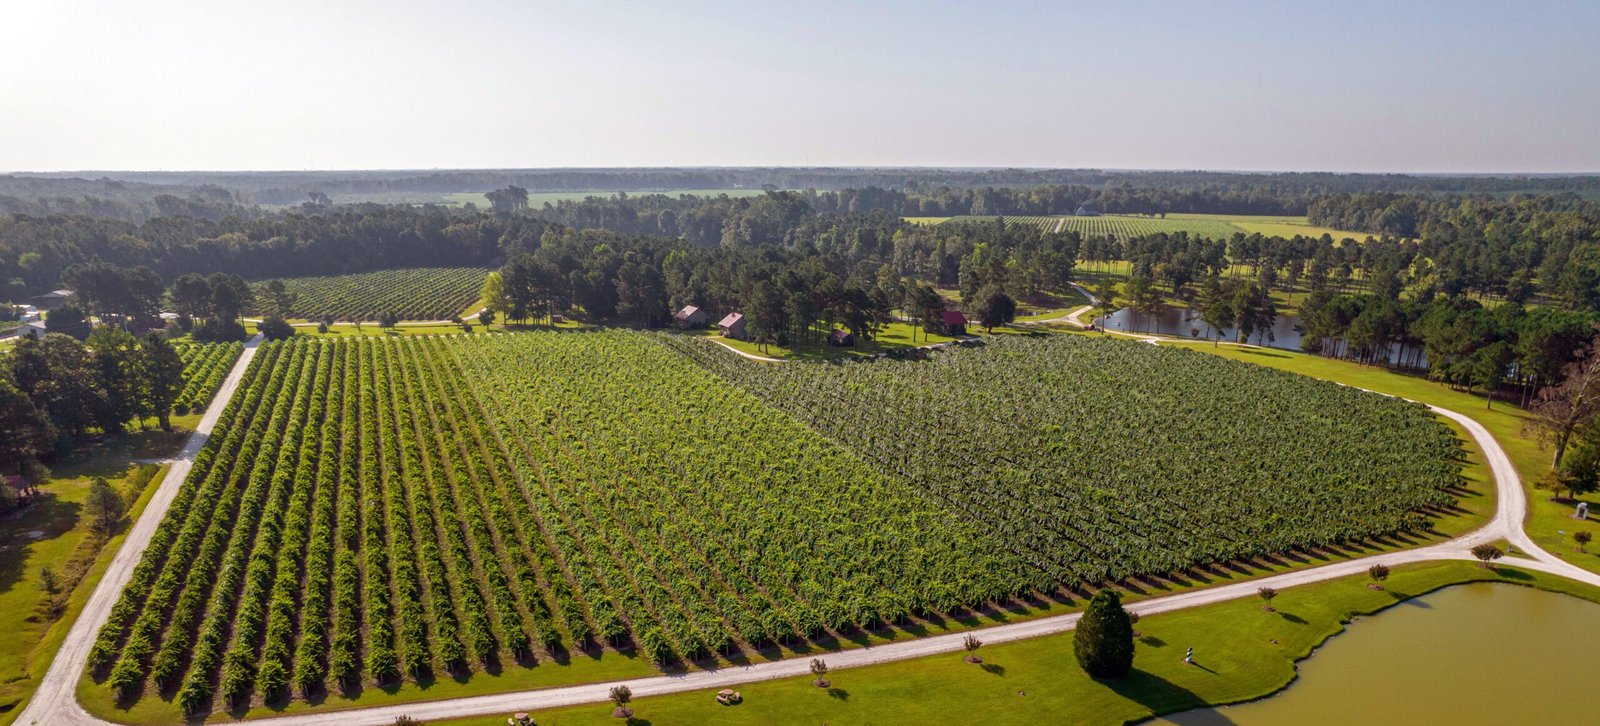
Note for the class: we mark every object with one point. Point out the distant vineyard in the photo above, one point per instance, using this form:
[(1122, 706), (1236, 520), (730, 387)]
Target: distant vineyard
[(1097, 459), (1047, 224), (371, 510), (205, 365), (426, 293), (1117, 226)]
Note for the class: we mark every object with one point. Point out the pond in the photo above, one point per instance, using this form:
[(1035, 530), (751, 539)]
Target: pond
[(1186, 323), (1479, 653)]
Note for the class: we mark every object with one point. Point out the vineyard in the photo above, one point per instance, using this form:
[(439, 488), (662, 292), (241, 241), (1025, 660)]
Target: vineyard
[(426, 293), (372, 510), (1118, 226), (205, 365), (1096, 459)]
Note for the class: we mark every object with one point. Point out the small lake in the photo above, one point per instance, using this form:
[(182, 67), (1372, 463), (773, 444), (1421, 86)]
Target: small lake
[(1186, 323), (1471, 654)]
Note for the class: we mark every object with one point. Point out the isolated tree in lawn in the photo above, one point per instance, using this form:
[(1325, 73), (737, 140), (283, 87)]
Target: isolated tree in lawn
[(971, 644), (819, 668), (1562, 410), (104, 506), (1267, 594), (1378, 572), (925, 307), (1104, 638), (995, 307), (1582, 537), (1486, 553), (620, 696)]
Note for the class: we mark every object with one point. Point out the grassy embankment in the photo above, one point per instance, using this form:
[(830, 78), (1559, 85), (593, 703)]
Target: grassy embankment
[(1241, 653)]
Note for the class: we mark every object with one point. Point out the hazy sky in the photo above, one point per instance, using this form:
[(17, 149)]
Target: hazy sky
[(352, 84)]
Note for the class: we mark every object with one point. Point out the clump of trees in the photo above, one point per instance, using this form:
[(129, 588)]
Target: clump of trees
[(212, 305), (56, 390), (1104, 639)]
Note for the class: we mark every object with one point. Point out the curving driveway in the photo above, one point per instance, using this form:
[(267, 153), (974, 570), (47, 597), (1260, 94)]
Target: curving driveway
[(54, 702)]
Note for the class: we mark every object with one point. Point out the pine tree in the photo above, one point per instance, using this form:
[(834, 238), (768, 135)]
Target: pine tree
[(1104, 641)]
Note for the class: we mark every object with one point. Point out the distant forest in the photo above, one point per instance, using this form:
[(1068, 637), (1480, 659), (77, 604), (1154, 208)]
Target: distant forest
[(139, 196)]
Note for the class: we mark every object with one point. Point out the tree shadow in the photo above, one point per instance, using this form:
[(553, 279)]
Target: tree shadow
[(1153, 641), (1156, 693), (1512, 574), (1291, 617), (995, 669), (839, 693)]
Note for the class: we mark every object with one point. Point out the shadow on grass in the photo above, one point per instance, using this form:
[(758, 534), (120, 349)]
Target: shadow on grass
[(1156, 693), (839, 693)]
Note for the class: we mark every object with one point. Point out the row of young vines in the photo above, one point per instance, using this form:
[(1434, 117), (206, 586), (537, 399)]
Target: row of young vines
[(205, 365)]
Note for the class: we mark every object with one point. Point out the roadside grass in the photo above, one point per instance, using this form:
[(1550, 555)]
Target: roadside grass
[(55, 533), (1550, 524), (1241, 654)]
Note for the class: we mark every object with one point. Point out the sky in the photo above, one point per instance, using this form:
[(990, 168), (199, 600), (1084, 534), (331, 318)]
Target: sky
[(1413, 86)]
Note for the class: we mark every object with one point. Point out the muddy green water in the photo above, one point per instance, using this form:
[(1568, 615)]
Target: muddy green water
[(1471, 654)]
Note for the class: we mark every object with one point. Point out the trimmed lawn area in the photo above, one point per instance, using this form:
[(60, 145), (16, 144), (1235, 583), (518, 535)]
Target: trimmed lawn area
[(55, 533), (1550, 524), (1241, 653)]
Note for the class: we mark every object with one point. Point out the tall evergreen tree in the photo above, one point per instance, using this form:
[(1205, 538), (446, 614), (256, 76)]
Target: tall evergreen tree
[(1104, 639)]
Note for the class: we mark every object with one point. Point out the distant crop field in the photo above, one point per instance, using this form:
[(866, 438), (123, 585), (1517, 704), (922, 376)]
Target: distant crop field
[(420, 293), (1215, 226), (539, 199)]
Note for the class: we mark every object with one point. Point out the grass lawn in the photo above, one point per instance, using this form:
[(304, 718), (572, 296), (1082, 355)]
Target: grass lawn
[(926, 220), (1549, 523), (1241, 653), (55, 533)]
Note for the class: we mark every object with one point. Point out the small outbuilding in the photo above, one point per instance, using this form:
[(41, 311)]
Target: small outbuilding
[(34, 328), (690, 317), (732, 326), (842, 339), (954, 323), (52, 300)]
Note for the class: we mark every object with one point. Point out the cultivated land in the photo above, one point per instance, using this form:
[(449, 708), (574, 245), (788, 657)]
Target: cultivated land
[(420, 511), (422, 293), (204, 367), (539, 199), (1217, 226)]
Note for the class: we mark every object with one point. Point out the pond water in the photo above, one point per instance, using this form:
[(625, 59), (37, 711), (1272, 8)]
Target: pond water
[(1186, 323), (1471, 654)]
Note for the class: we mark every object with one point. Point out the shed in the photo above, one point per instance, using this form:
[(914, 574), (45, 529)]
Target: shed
[(52, 300), (842, 339), (732, 326), (34, 328), (954, 323), (690, 317)]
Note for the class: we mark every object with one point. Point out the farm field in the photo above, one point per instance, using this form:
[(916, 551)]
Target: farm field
[(1216, 226), (204, 367), (420, 293), (539, 199), (1079, 486), (459, 509), (462, 503)]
